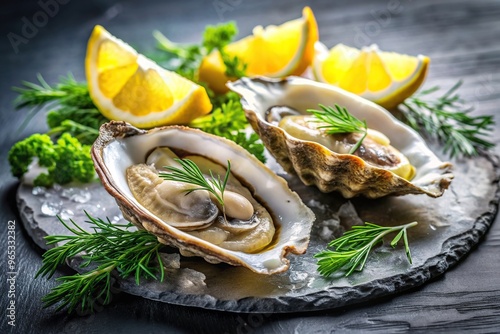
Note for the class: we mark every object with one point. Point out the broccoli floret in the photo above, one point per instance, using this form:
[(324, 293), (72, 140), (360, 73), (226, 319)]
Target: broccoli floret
[(74, 161), (67, 160), (22, 153), (43, 180)]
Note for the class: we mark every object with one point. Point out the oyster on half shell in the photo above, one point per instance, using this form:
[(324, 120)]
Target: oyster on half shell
[(412, 169), (127, 160)]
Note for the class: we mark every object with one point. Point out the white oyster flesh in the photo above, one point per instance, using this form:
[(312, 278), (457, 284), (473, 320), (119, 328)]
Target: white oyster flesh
[(243, 224), (171, 200)]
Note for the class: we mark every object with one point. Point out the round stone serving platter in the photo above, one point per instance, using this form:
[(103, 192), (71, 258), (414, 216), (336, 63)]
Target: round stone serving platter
[(448, 228)]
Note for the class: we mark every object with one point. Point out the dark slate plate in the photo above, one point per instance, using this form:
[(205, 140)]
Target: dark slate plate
[(448, 228)]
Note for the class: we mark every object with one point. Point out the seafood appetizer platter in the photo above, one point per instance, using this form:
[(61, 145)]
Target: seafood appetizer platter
[(249, 188)]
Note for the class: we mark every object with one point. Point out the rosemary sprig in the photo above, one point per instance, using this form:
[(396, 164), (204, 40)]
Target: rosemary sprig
[(111, 247), (339, 120), (351, 250), (85, 134), (448, 120), (67, 92), (191, 174), (73, 110)]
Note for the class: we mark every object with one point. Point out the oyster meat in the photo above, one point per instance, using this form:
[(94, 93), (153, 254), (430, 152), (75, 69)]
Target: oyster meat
[(262, 221), (374, 149), (393, 159), (244, 225)]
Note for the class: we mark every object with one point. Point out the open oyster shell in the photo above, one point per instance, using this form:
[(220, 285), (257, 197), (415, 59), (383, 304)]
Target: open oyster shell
[(121, 145), (330, 171)]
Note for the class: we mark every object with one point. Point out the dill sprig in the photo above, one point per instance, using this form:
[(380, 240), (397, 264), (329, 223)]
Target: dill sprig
[(111, 247), (339, 120), (190, 173), (351, 250), (449, 121)]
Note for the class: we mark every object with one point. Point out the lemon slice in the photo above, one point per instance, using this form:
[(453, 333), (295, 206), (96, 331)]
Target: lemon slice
[(274, 51), (127, 86), (386, 78)]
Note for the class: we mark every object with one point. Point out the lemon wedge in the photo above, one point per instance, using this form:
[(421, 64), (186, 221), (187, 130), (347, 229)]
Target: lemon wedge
[(386, 78), (127, 86), (274, 51)]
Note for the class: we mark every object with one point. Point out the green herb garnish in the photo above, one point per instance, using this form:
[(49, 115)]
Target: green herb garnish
[(190, 173), (339, 120), (228, 120), (113, 248), (249, 141), (352, 249), (187, 58), (73, 110), (448, 120), (68, 92), (227, 115)]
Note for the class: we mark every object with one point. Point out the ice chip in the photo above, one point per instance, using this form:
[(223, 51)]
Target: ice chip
[(38, 191), (66, 214), (51, 209)]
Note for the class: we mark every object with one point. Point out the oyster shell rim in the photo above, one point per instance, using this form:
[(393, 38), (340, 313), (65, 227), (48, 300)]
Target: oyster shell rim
[(278, 142), (118, 130)]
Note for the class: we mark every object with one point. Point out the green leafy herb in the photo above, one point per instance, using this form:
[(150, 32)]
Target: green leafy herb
[(228, 120), (183, 59), (216, 38), (85, 134), (224, 118), (249, 141), (191, 174), (235, 67), (112, 248), (81, 123), (352, 249), (339, 120), (448, 120), (187, 58), (67, 160)]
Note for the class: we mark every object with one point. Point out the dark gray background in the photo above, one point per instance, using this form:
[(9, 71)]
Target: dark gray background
[(462, 39)]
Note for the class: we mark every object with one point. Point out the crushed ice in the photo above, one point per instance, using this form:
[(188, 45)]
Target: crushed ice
[(38, 191), (51, 208), (328, 229), (348, 215), (76, 195), (66, 214)]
